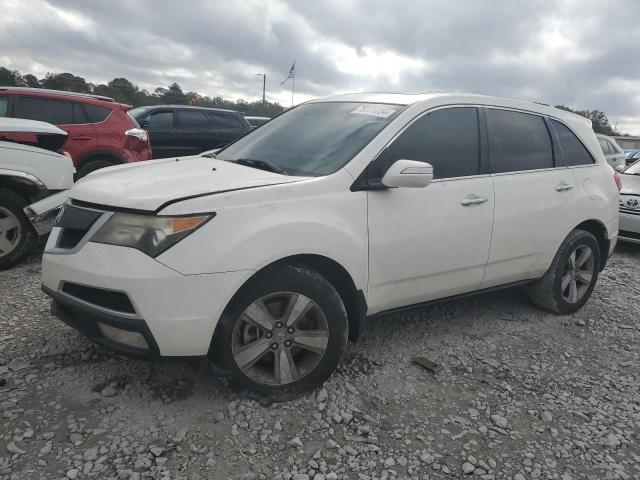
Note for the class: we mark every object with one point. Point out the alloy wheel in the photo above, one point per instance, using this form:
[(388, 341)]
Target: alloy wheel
[(10, 231), (280, 338), (578, 274)]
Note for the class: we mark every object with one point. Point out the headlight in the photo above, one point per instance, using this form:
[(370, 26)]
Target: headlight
[(149, 234)]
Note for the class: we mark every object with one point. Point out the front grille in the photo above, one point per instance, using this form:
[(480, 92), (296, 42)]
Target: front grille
[(117, 301), (74, 223), (628, 234), (629, 211)]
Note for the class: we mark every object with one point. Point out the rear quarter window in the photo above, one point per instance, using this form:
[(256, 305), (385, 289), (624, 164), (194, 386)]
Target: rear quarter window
[(227, 122), (575, 153), (96, 113)]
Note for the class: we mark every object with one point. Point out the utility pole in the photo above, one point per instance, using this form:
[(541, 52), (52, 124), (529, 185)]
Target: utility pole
[(264, 85)]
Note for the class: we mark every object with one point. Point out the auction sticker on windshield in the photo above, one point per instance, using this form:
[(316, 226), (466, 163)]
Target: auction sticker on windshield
[(375, 110)]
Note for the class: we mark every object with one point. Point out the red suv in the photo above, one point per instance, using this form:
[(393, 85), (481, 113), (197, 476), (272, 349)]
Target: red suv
[(101, 132)]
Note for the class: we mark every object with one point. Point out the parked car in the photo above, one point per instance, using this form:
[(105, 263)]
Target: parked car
[(256, 121), (630, 204), (612, 152), (632, 156), (33, 181), (179, 130), (274, 251), (101, 133)]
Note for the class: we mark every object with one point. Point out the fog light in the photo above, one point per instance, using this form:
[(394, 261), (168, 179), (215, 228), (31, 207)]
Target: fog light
[(124, 337)]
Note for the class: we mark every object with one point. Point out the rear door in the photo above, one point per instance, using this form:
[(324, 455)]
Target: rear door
[(537, 203), (68, 115), (195, 132), (160, 124), (228, 128)]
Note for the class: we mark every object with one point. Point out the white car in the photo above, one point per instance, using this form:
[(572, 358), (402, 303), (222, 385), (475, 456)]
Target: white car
[(630, 204), (33, 180), (270, 253), (614, 155)]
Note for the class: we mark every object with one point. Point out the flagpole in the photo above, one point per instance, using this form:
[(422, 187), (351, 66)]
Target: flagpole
[(293, 88)]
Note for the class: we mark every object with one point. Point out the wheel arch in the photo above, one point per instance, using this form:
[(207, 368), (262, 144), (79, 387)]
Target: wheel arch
[(598, 230), (352, 297), (101, 155), (25, 187)]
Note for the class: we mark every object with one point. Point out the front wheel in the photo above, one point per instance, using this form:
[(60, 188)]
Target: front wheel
[(570, 280), (17, 237), (285, 331)]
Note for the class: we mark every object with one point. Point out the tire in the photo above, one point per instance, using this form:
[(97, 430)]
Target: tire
[(17, 236), (94, 165), (282, 291), (552, 292)]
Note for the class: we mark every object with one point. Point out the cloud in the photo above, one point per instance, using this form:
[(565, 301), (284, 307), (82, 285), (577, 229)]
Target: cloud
[(581, 53)]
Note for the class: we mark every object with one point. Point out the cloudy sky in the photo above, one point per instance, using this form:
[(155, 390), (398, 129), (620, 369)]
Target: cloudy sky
[(583, 53)]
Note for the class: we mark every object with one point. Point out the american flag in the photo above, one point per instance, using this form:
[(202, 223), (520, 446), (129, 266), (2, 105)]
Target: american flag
[(292, 73)]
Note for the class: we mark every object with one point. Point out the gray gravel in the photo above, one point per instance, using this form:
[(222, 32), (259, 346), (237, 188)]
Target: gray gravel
[(521, 395)]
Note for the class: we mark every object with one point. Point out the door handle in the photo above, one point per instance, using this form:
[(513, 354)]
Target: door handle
[(563, 187), (472, 200), (81, 137)]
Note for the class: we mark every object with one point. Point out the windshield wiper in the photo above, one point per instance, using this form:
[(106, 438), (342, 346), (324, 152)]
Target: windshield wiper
[(209, 155), (260, 164)]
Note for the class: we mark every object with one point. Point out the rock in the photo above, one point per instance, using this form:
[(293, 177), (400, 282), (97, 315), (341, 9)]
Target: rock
[(389, 462), (499, 421), (468, 468), (157, 451), (108, 391), (427, 458), (331, 476), (90, 454), (13, 448), (295, 442), (322, 396), (519, 476), (580, 322), (72, 474)]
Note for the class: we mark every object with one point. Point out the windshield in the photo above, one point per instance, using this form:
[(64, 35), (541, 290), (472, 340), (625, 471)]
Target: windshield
[(312, 139), (633, 169)]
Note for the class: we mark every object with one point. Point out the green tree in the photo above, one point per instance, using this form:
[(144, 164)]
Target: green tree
[(599, 120), (9, 78)]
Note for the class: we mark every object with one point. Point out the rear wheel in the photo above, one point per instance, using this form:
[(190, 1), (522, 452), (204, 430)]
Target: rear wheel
[(17, 237), (285, 331), (93, 165), (570, 280)]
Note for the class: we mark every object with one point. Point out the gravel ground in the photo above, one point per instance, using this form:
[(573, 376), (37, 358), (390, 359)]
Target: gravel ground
[(521, 394)]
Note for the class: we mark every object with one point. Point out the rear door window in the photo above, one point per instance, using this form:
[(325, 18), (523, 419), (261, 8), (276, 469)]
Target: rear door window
[(448, 139), (518, 141), (57, 112), (192, 119), (575, 153)]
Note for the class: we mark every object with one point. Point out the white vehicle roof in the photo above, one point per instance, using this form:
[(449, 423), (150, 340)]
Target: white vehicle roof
[(22, 125), (441, 98)]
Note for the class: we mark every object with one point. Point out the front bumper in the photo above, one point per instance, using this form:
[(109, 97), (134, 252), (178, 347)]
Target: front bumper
[(176, 314), (629, 227)]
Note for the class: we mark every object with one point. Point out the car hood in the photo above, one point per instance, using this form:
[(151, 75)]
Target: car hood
[(630, 184), (150, 185)]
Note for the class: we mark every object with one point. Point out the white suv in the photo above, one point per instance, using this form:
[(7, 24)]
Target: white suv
[(270, 253)]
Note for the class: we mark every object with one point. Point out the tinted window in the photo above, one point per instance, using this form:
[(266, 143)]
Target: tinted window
[(4, 106), (78, 114), (227, 122), (613, 148), (574, 151), (192, 119), (448, 139), (96, 113), (57, 112), (518, 141), (160, 120), (604, 145)]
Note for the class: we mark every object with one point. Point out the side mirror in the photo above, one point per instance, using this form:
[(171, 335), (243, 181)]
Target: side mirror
[(408, 173), (619, 168)]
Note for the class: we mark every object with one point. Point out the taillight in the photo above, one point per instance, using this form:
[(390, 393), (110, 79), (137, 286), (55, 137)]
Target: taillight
[(618, 180), (138, 133)]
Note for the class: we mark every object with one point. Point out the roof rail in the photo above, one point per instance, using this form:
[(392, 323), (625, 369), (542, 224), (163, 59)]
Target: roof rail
[(59, 92)]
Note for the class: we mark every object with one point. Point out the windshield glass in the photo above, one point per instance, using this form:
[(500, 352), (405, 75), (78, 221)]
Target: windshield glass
[(633, 169), (313, 139)]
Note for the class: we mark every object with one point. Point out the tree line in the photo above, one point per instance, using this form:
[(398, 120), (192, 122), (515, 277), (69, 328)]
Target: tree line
[(122, 90)]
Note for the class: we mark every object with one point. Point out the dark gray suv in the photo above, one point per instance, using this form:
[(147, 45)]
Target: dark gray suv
[(180, 130)]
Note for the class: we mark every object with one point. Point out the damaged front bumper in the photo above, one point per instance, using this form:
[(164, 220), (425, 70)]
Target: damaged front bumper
[(42, 214)]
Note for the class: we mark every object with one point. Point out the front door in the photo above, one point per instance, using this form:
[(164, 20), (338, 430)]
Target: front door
[(432, 242)]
